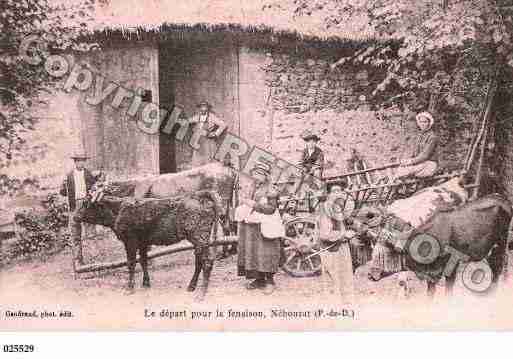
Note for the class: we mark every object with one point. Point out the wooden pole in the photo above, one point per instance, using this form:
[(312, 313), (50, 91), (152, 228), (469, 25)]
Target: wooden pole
[(482, 138), (480, 164), (486, 114), (334, 178), (153, 254)]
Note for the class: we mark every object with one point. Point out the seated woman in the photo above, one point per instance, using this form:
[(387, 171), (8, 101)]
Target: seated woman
[(423, 163)]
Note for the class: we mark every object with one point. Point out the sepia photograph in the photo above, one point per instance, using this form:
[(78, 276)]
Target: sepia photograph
[(255, 165)]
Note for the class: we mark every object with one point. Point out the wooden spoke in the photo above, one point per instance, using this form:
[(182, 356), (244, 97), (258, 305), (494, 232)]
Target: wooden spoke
[(289, 259), (311, 263), (296, 226), (306, 235)]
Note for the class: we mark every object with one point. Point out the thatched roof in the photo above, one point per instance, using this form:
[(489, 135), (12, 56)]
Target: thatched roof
[(138, 19)]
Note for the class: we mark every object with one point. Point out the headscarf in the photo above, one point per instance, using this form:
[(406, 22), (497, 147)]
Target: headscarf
[(428, 116)]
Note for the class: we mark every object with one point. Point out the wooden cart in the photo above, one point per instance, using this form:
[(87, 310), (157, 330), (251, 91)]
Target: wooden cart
[(299, 212)]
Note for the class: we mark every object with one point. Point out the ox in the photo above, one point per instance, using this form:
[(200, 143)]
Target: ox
[(213, 176), (477, 229), (139, 223)]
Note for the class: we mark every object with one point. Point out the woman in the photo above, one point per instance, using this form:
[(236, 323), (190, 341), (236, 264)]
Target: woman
[(258, 256), (424, 161), (337, 267)]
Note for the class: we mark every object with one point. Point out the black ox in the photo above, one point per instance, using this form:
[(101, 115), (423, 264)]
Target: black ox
[(139, 223), (478, 229)]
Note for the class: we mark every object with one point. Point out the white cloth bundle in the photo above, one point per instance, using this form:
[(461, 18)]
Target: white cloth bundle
[(419, 208), (271, 225)]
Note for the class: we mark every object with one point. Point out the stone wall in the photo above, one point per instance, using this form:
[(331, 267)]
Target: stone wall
[(267, 98), (304, 93), (302, 85)]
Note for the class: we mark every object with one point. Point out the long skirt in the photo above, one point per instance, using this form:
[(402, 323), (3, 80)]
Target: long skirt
[(256, 254), (337, 272)]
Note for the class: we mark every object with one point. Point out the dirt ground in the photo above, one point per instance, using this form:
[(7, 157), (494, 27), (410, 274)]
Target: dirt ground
[(98, 300)]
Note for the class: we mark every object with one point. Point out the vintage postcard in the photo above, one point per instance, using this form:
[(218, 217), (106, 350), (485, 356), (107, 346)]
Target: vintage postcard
[(284, 165)]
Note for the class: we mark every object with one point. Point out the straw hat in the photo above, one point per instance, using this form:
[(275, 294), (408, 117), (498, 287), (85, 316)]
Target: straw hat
[(204, 103), (79, 154), (308, 135)]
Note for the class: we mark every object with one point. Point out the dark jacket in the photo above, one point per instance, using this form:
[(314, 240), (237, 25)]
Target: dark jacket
[(68, 186), (314, 161)]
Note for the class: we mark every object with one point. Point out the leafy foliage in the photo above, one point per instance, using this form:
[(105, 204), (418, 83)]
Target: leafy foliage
[(435, 54), (41, 231), (61, 25)]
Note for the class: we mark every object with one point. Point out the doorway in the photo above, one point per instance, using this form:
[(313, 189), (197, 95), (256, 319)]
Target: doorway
[(190, 71)]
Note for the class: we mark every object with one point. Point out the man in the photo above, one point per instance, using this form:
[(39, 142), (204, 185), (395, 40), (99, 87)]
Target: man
[(423, 163), (312, 160), (337, 266), (76, 186), (206, 120)]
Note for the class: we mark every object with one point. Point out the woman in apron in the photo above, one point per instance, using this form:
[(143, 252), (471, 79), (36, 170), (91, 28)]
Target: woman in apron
[(259, 256)]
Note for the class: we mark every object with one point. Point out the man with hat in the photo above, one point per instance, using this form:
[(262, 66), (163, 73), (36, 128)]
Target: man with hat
[(312, 160), (423, 162), (76, 186), (205, 120)]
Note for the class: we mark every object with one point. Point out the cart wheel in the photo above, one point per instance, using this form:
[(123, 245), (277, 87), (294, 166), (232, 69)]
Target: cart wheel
[(298, 265), (301, 242)]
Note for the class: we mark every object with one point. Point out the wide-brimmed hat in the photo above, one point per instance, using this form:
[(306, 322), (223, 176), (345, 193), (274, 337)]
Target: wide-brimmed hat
[(262, 169), (204, 103), (79, 154), (309, 135), (427, 115)]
